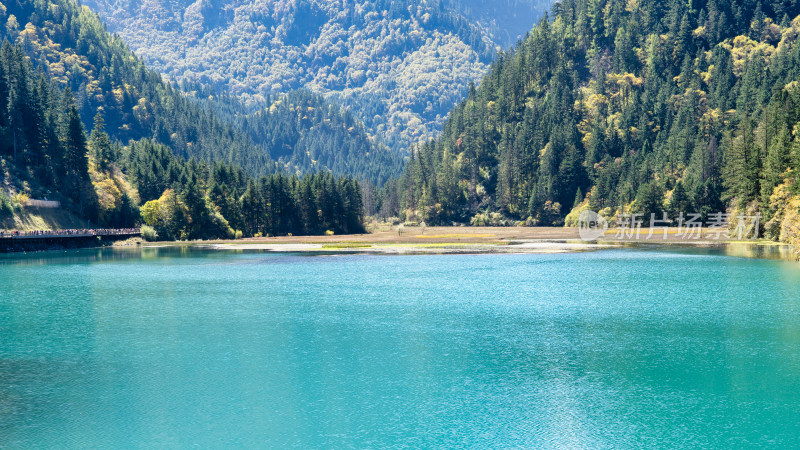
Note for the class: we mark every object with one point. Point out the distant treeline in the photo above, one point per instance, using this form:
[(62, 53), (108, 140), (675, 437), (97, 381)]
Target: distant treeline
[(195, 200)]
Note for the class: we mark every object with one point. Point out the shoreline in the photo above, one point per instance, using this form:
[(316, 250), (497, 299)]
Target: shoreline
[(461, 240), (414, 249), (483, 240), (755, 249)]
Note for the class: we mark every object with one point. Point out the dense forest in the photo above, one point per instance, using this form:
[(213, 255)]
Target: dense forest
[(624, 106), (303, 133), (69, 43), (306, 134), (42, 141), (150, 145), (400, 66), (72, 46), (505, 21), (196, 200)]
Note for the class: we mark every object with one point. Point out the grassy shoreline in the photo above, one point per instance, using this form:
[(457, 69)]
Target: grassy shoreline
[(476, 240)]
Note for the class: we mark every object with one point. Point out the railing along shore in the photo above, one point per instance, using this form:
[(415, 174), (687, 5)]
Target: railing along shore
[(72, 233)]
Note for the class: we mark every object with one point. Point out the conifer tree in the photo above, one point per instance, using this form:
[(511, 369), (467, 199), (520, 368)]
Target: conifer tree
[(100, 143)]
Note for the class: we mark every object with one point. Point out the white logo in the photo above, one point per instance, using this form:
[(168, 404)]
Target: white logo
[(591, 225)]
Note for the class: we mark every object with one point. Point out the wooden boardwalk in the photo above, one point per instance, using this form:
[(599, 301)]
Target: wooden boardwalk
[(71, 234), (24, 241)]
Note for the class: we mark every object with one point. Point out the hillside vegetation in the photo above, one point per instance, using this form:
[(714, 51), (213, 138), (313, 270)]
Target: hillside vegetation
[(306, 134), (400, 65), (626, 106), (71, 45), (184, 168), (505, 21)]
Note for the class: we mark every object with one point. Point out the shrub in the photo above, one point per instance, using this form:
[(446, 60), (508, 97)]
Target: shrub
[(220, 229), (20, 199), (6, 208), (149, 233), (487, 219), (572, 218)]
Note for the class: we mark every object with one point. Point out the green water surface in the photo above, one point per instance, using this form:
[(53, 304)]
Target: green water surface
[(608, 349)]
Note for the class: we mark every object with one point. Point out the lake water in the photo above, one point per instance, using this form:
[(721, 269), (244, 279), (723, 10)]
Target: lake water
[(617, 348)]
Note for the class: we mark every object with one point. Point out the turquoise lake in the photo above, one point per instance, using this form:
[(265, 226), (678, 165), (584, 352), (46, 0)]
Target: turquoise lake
[(607, 349)]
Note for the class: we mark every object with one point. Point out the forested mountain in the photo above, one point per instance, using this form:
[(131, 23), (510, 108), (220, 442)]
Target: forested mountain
[(70, 44), (505, 21), (76, 51), (45, 153), (194, 169), (41, 138), (626, 106), (400, 65), (306, 134)]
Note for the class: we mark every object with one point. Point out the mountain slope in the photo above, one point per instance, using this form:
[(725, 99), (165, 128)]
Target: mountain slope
[(399, 65), (73, 47), (304, 133), (505, 21), (626, 106), (45, 153), (194, 189)]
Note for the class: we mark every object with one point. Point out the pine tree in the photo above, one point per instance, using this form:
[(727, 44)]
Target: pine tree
[(739, 170), (650, 201), (679, 202), (100, 144), (578, 199)]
